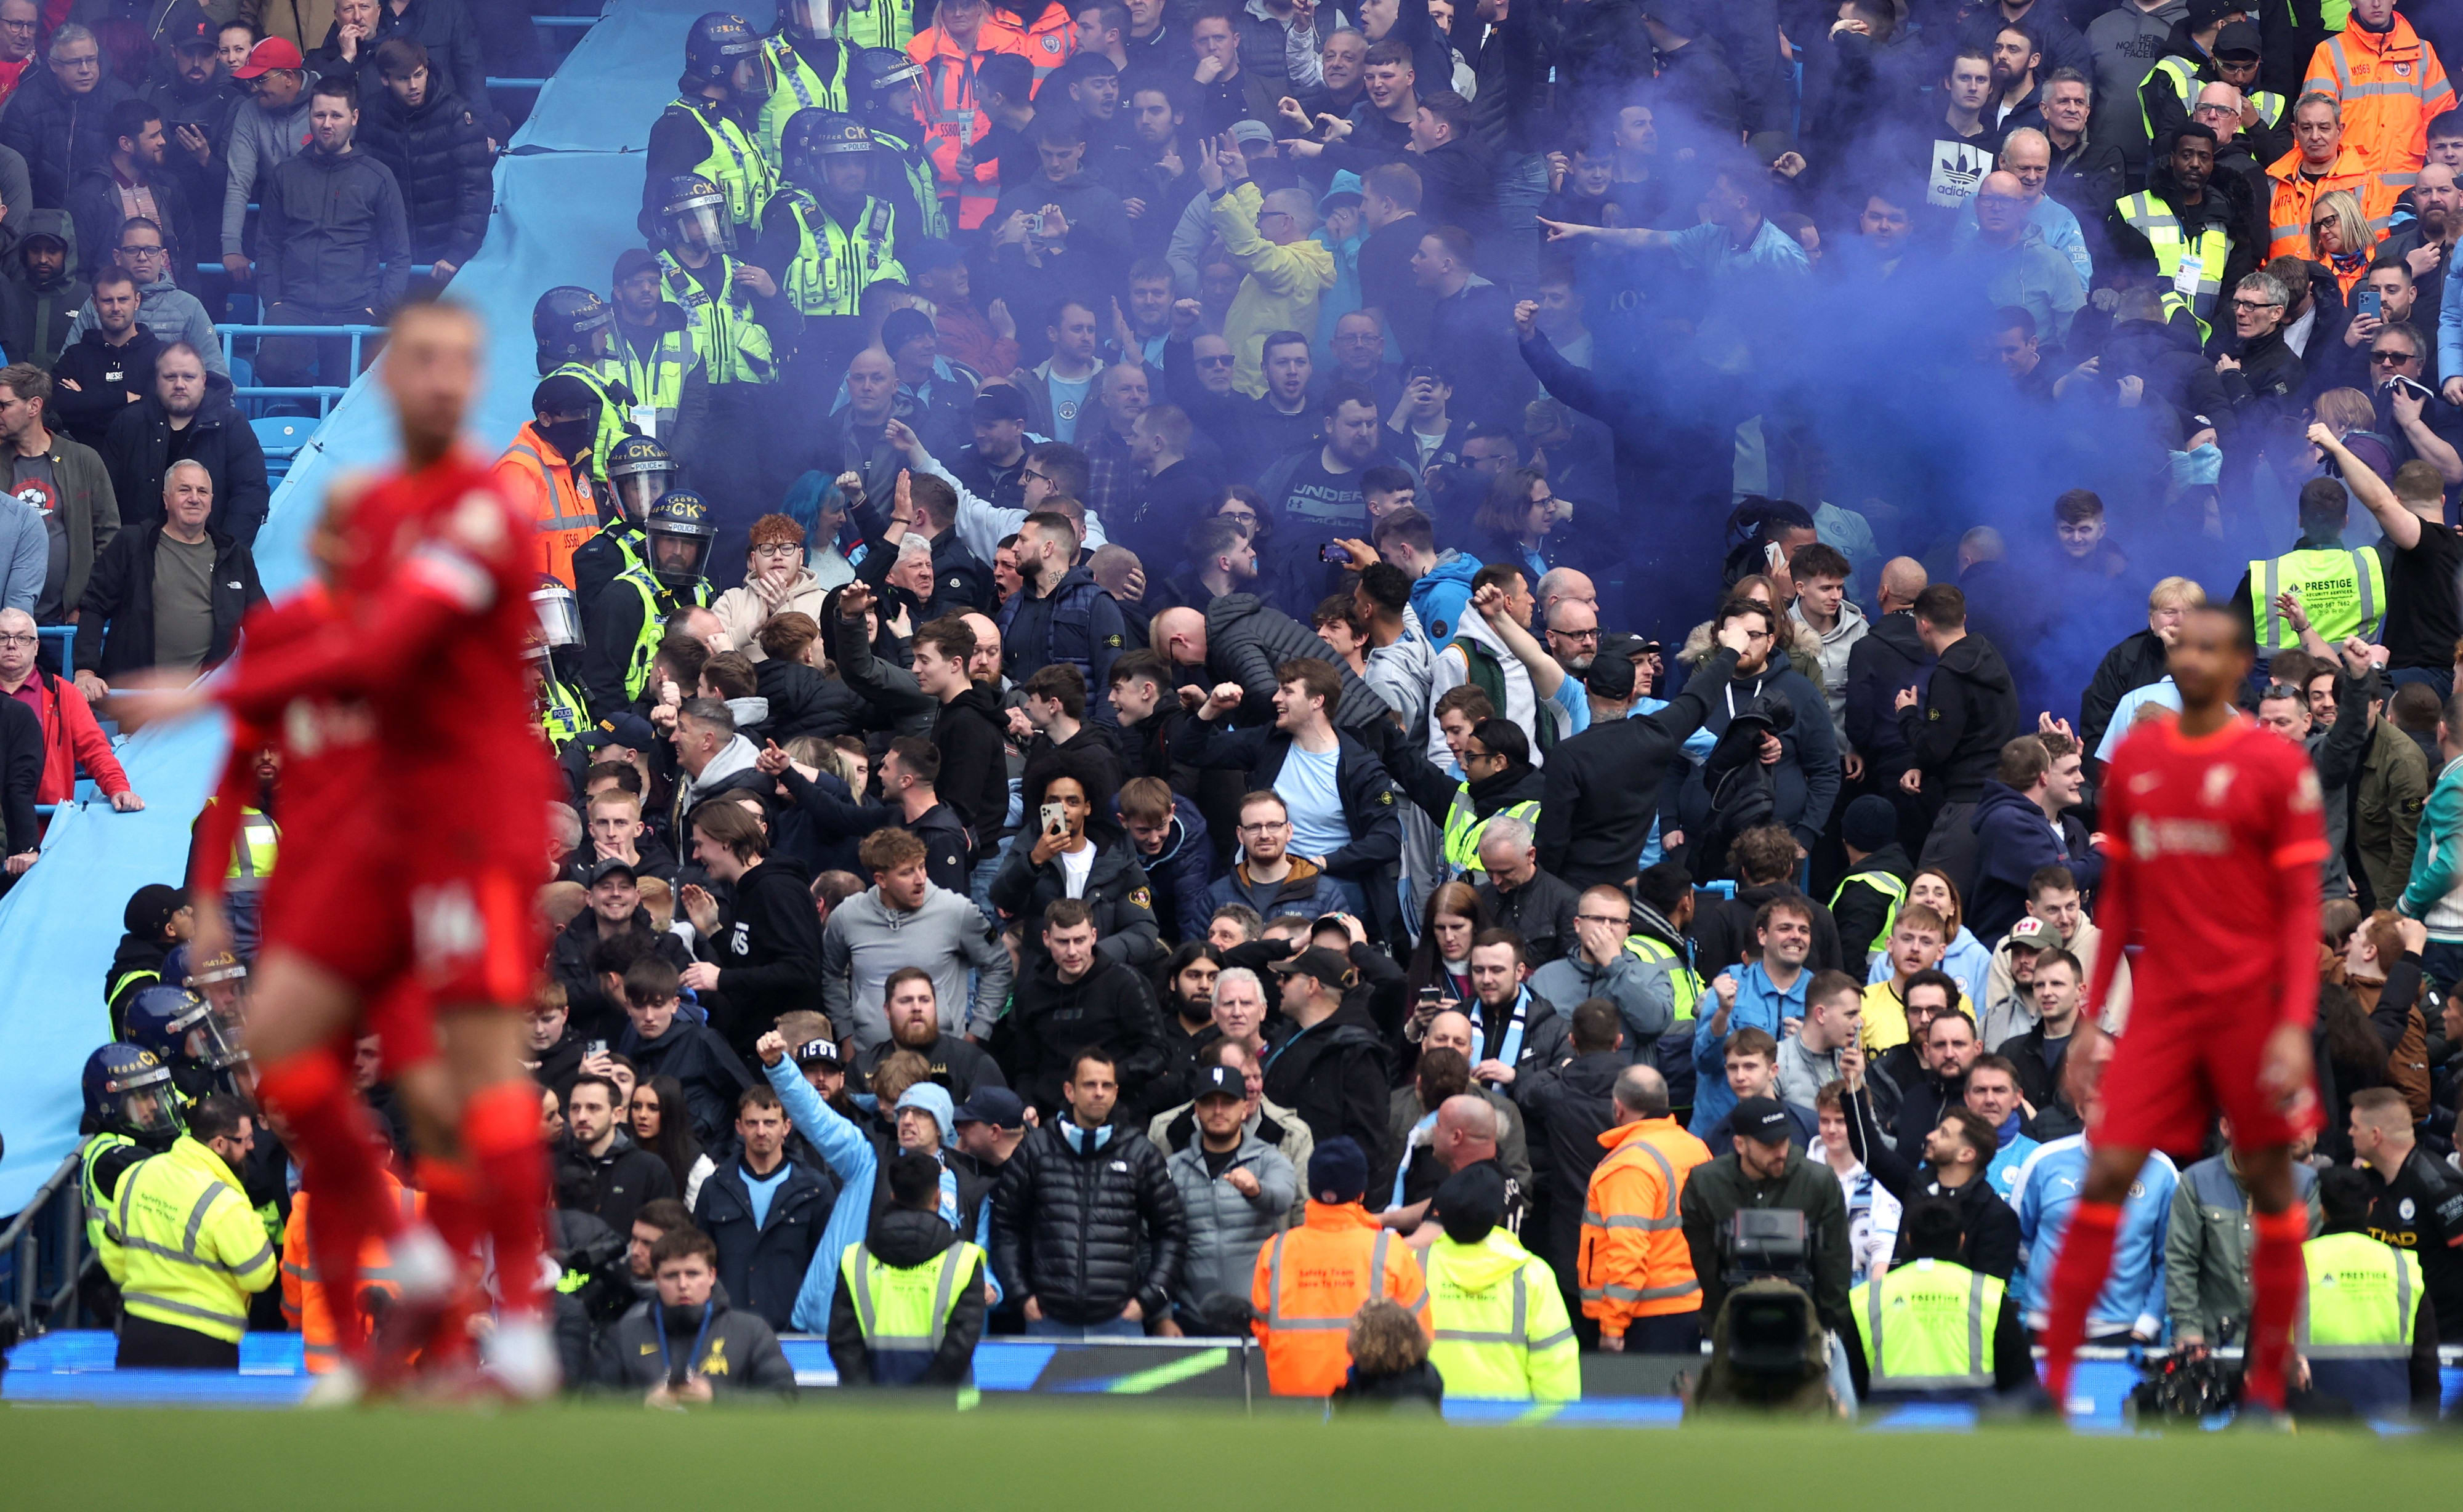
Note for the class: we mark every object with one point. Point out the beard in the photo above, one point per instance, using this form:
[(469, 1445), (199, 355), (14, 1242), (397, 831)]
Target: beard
[(915, 1036)]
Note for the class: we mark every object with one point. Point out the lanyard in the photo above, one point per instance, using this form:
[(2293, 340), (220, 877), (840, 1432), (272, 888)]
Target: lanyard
[(667, 1371)]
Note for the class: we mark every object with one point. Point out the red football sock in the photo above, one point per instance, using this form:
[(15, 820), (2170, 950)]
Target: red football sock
[(2277, 1276), (500, 1133), (2077, 1277), (341, 1170), (452, 1210)]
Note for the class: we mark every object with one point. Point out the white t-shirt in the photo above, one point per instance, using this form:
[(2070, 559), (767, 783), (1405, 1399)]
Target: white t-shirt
[(1075, 866)]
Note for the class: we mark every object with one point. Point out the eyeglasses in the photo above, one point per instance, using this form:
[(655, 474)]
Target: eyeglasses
[(778, 548), (19, 641), (143, 251), (1268, 827), (1030, 475), (2390, 358), (1575, 635), (2255, 305), (1223, 361)]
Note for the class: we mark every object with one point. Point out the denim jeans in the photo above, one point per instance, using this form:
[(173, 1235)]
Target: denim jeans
[(1113, 1329)]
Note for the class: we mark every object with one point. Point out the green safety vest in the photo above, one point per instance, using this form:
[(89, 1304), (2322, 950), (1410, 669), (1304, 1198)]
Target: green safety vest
[(833, 265), (735, 165), (799, 87), (253, 853), (2183, 75), (561, 712), (1681, 974), (658, 601), (1484, 1346), (906, 1307), (2362, 1299), (2153, 218), (1928, 1326), (615, 411), (98, 1203), (1890, 884), (734, 347), (165, 1207), (878, 23), (1464, 827), (622, 535), (2342, 590), (656, 382), (921, 186), (122, 985)]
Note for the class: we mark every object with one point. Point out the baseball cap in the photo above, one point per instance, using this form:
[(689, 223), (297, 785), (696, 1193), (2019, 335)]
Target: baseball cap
[(2029, 933), (1763, 1120), (1219, 1081), (1246, 132), (151, 908), (271, 53), (1472, 1203), (902, 326), (1335, 970), (997, 1106), (186, 28), (628, 730), (2237, 39), (1000, 401), (819, 1052), (1338, 1171), (633, 260), (612, 865), (1610, 677)]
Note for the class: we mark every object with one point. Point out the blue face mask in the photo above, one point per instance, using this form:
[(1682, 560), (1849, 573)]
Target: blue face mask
[(2200, 468)]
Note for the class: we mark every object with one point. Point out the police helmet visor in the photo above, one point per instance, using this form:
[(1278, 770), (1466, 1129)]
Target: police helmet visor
[(638, 490), (751, 76), (809, 17), (701, 224), (207, 1036), (151, 1108), (677, 556), (559, 616)]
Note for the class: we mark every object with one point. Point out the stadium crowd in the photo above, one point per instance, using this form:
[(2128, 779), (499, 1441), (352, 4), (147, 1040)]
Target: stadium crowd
[(1181, 630)]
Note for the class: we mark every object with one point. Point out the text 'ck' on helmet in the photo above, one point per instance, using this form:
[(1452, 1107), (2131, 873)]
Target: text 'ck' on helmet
[(718, 43), (128, 1091), (182, 1029), (639, 471), (816, 140), (692, 213), (571, 324), (680, 534), (559, 616)]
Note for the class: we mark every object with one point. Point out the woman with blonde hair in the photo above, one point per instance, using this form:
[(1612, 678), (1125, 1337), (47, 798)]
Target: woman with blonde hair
[(2339, 237), (1389, 1362)]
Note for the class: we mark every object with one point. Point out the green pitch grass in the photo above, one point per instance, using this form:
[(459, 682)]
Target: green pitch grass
[(1086, 1457)]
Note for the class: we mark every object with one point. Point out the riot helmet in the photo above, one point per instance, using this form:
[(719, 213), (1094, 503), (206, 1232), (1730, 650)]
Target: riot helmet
[(128, 1093), (681, 536), (718, 44), (571, 324), (816, 141), (639, 471), (694, 214), (559, 617)]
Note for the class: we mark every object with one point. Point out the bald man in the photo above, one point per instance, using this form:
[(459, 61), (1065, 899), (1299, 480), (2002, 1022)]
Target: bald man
[(1409, 1109), (171, 593), (70, 733), (1889, 658)]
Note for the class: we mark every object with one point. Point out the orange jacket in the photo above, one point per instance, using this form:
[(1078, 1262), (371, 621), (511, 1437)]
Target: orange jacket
[(537, 480), (70, 736), (1051, 38), (953, 121), (1633, 1263), (2390, 86), (303, 1296), (1312, 1279), (2297, 195)]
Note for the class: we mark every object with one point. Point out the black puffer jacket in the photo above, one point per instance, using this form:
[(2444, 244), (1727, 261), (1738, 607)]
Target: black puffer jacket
[(804, 702), (1247, 639), (439, 155), (1968, 712), (139, 448), (61, 136), (1088, 1232)]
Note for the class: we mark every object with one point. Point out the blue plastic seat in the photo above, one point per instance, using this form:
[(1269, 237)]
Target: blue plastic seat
[(283, 435)]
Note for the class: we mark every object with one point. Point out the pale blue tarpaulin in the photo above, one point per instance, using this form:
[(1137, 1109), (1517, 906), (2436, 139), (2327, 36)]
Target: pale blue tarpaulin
[(566, 198)]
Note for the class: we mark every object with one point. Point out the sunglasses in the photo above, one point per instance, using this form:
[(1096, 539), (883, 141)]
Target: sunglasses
[(1215, 363), (2393, 358)]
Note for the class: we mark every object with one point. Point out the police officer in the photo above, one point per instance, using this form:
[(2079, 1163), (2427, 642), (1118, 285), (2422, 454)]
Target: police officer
[(253, 856), (1931, 1329), (1497, 1316), (571, 328), (739, 324), (633, 611), (909, 1305), (199, 1047), (811, 70), (562, 713), (2186, 222), (889, 102), (1497, 761), (2368, 1330), (2418, 1202), (655, 357), (639, 472), (185, 1249), (131, 1111), (712, 127), (827, 237)]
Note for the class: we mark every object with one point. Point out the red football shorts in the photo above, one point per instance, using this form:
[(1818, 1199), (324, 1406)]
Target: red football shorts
[(2178, 1065)]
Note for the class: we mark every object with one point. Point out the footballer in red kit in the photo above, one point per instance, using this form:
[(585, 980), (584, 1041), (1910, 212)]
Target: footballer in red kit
[(2213, 830)]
